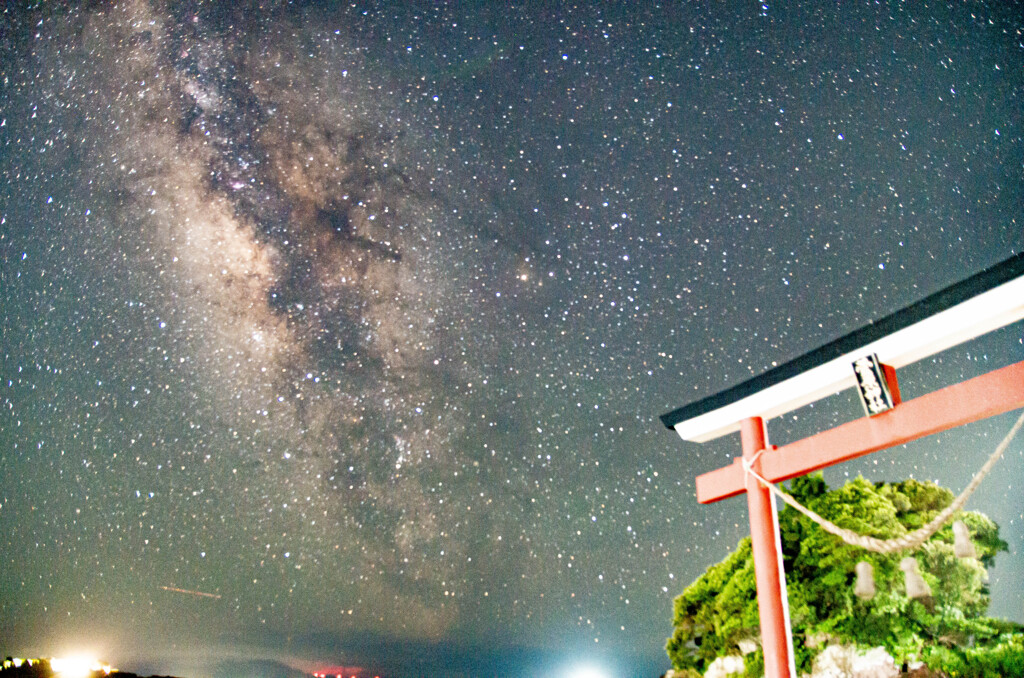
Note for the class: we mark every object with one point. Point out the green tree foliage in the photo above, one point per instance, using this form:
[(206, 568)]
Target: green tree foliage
[(948, 631)]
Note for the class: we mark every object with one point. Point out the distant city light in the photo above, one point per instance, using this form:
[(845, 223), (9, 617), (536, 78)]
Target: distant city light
[(586, 671), (79, 666)]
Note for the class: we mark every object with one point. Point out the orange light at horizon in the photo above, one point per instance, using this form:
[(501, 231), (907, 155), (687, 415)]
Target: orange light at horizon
[(341, 672), (79, 666)]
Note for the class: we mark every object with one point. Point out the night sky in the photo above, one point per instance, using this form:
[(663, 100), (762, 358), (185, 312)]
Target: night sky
[(358, 317)]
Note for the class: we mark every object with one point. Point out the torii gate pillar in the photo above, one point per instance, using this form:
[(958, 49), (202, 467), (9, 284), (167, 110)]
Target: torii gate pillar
[(772, 601)]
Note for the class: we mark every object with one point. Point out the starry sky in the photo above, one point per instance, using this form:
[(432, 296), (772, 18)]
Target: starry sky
[(336, 334)]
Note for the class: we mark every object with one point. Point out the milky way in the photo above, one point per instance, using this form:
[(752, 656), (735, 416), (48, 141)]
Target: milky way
[(285, 224), (358, 319), (295, 224)]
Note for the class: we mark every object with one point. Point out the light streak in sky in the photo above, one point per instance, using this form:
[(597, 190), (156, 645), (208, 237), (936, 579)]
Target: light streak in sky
[(201, 594)]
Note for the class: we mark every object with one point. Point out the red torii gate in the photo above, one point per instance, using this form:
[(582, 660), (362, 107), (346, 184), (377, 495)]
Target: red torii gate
[(867, 358)]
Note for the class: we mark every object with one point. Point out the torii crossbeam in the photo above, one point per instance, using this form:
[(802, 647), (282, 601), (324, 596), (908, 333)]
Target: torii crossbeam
[(867, 358)]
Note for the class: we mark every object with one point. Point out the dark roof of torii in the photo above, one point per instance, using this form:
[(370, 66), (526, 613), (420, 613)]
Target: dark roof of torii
[(994, 276)]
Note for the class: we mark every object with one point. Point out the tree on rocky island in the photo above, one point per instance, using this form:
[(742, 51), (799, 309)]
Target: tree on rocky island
[(717, 614)]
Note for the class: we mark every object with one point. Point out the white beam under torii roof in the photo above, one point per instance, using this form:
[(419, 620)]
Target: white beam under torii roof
[(985, 302)]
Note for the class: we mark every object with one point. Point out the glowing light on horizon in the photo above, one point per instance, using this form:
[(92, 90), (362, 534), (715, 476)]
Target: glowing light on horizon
[(79, 666), (586, 671)]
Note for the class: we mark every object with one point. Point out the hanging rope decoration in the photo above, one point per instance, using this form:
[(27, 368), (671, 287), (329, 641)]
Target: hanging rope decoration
[(865, 588), (908, 541), (915, 584), (962, 546)]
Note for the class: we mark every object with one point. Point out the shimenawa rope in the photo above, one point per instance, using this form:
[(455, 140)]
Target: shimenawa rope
[(908, 541)]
